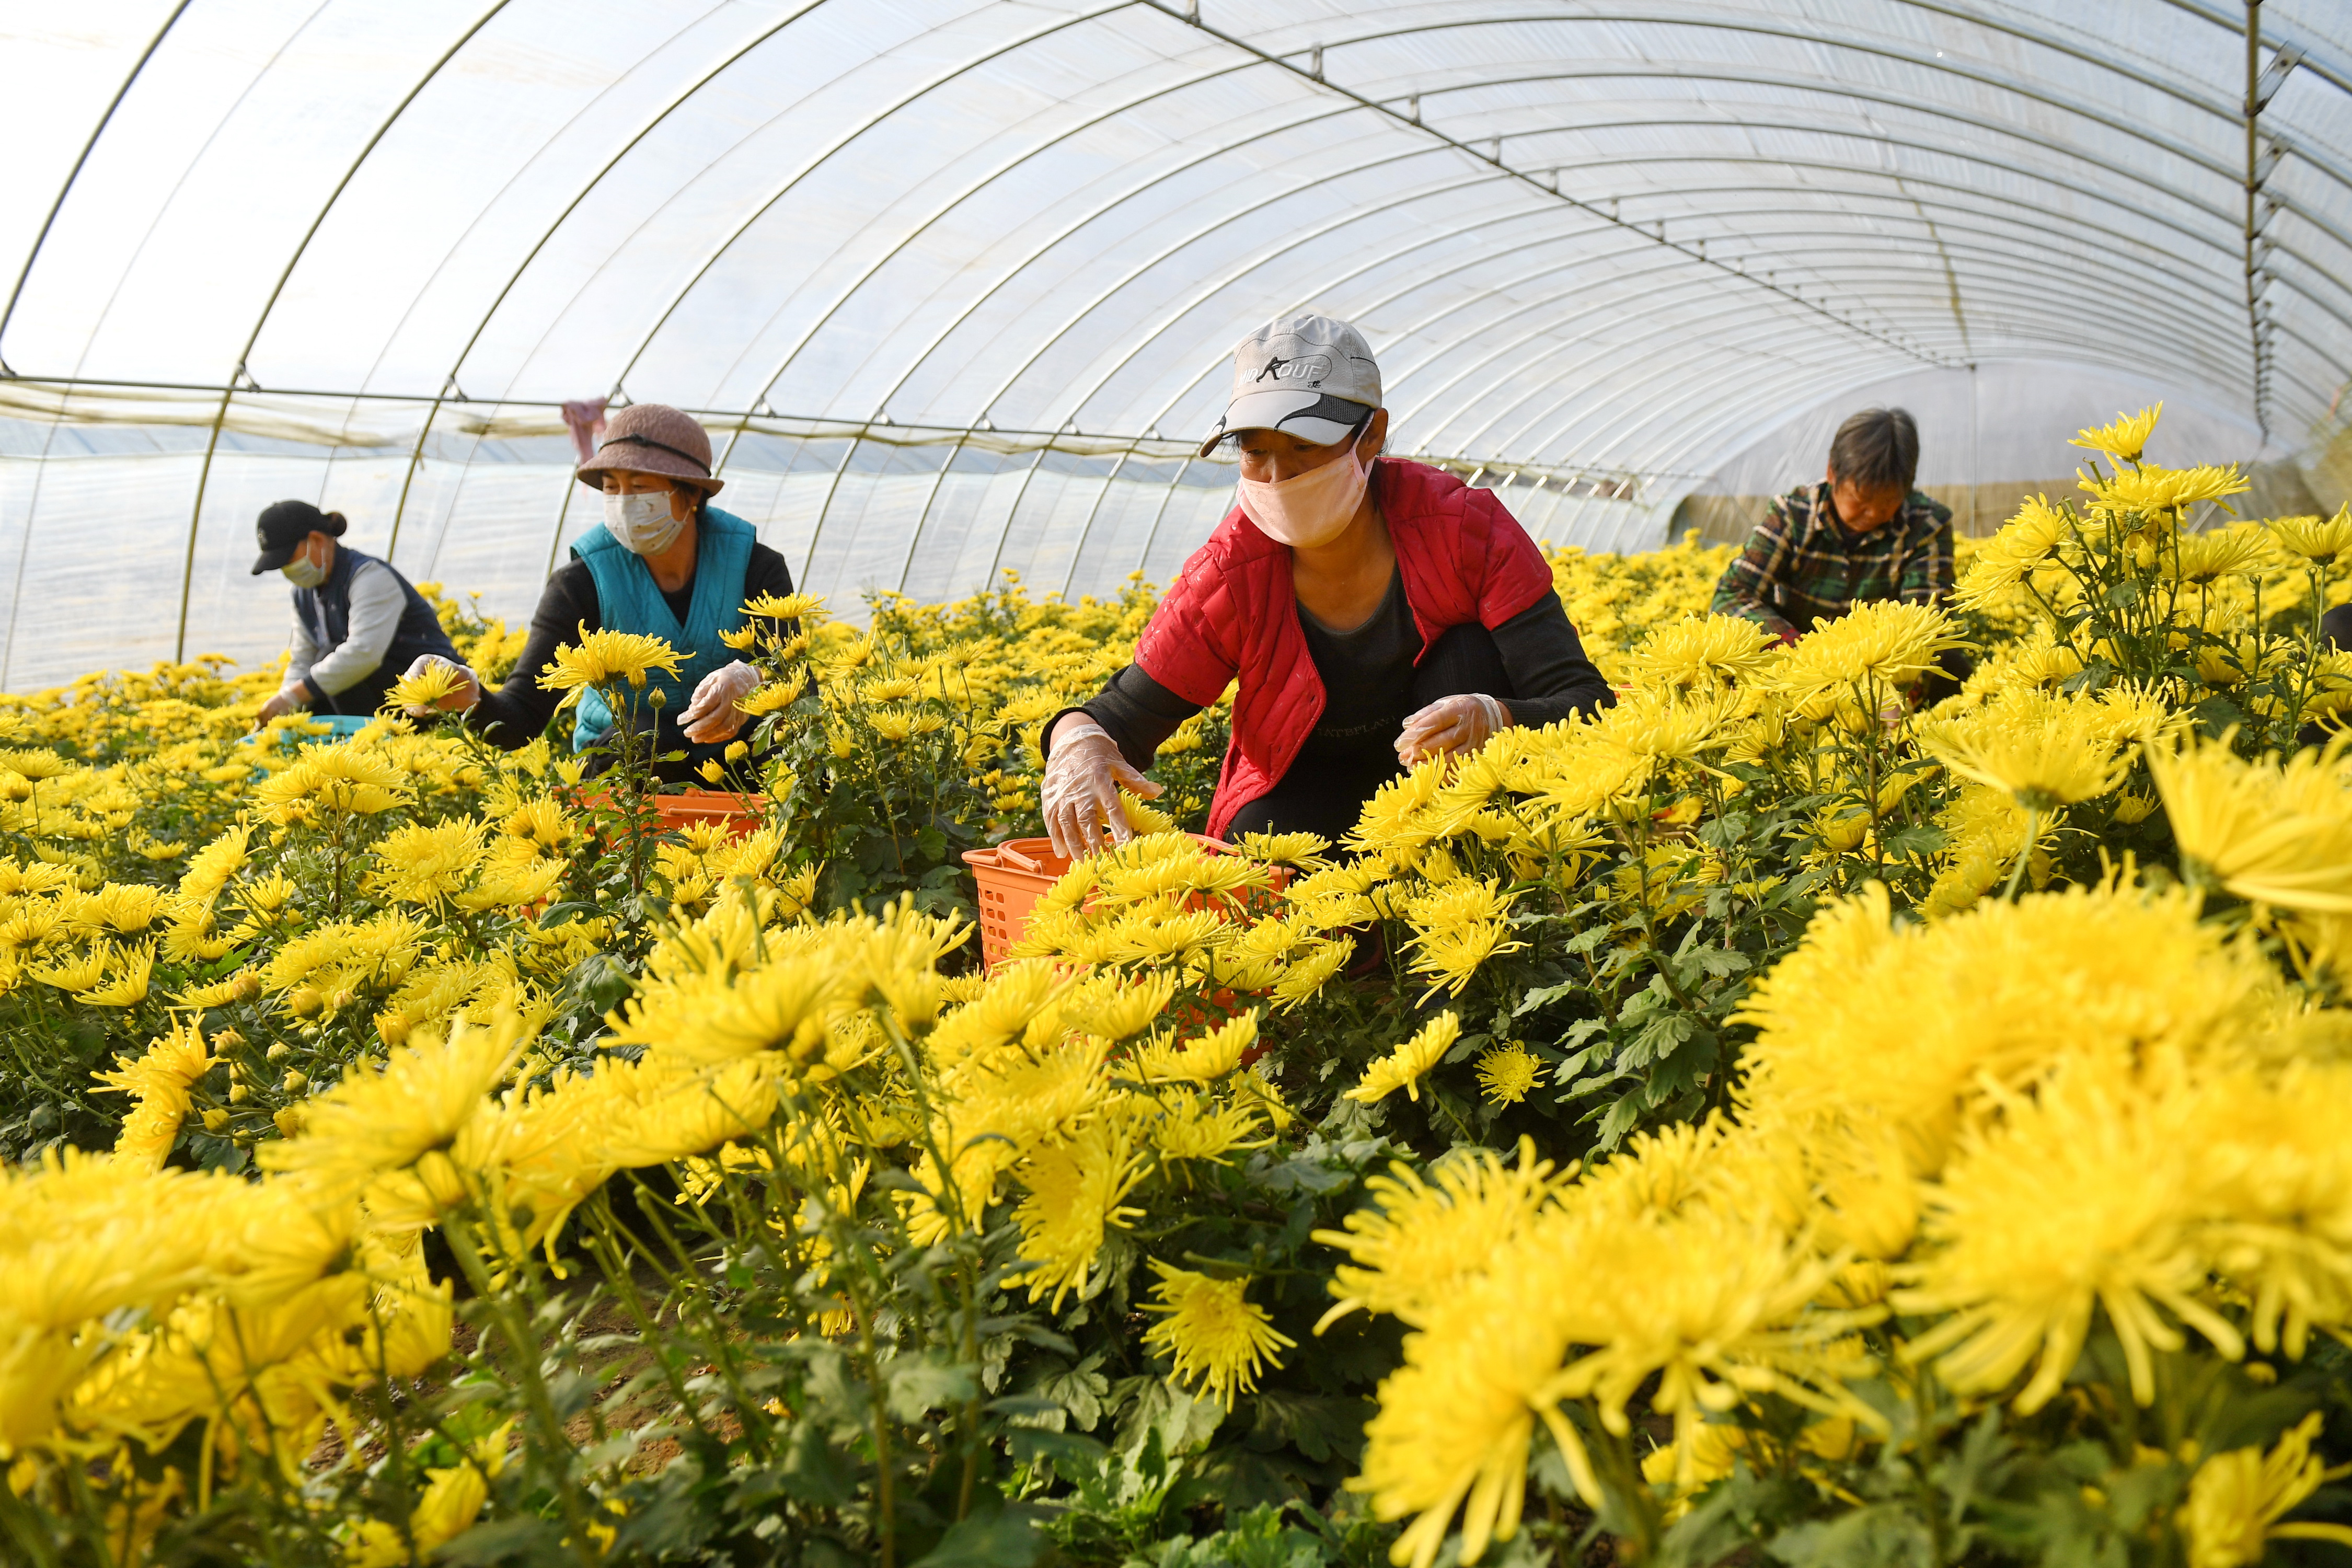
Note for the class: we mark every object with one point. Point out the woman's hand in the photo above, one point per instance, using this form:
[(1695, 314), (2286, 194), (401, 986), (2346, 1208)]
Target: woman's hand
[(1451, 724), (1079, 794), (465, 694), (712, 716), (286, 700)]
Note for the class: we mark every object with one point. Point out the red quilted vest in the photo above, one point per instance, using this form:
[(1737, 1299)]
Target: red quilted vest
[(1233, 614)]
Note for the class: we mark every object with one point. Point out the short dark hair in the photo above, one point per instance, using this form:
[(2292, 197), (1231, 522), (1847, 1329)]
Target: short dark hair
[(1877, 448)]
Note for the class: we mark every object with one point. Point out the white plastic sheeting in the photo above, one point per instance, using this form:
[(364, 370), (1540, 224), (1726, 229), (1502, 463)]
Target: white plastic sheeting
[(952, 279)]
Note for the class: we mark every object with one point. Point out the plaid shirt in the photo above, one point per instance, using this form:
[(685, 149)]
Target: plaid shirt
[(1802, 565)]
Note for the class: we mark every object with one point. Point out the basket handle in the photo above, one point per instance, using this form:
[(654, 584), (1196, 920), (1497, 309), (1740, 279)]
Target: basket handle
[(1008, 856)]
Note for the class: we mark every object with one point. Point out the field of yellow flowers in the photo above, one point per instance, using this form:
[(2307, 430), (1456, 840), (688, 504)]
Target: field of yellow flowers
[(1768, 1122)]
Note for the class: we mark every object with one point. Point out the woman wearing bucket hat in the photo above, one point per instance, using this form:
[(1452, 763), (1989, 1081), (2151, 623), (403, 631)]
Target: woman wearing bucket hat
[(1372, 611), (664, 562), (357, 621)]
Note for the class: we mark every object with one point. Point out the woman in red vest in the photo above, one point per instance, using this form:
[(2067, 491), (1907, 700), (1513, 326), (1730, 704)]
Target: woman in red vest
[(1373, 611)]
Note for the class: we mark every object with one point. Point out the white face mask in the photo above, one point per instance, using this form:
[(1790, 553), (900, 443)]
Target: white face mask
[(641, 521), (1310, 508), (304, 572)]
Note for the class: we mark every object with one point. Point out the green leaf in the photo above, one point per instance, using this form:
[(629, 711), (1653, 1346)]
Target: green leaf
[(1886, 1535), (1007, 1540), (1915, 840), (1068, 1452), (920, 1384), (1316, 1425), (515, 1539)]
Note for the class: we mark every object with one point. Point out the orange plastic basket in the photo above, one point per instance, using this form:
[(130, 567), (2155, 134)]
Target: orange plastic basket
[(1013, 875), (741, 812)]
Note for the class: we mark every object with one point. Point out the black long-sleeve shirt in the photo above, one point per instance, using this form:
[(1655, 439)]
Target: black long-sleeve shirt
[(516, 714), (1367, 679)]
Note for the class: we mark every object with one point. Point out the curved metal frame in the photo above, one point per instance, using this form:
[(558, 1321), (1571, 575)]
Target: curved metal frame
[(653, 122), (204, 474), (760, 210), (1999, 81), (2184, 306), (41, 236)]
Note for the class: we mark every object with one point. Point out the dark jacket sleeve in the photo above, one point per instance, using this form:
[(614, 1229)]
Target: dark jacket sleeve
[(1135, 711), (515, 714), (1550, 677), (766, 573)]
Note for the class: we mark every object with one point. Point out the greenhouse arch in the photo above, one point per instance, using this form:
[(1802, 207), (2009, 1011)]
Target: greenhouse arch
[(953, 283)]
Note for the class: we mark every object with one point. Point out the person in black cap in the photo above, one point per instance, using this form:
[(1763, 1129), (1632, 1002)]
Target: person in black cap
[(357, 621)]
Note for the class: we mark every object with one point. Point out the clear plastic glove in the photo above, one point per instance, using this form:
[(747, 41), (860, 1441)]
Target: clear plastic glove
[(286, 700), (712, 715), (467, 691), (1079, 794), (1451, 724)]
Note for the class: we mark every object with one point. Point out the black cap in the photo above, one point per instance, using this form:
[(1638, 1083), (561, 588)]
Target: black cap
[(284, 526)]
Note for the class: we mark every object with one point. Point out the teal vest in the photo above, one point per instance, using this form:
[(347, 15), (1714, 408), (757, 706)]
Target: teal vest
[(629, 600)]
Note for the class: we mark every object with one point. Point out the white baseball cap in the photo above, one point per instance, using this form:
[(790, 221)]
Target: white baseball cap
[(1311, 376)]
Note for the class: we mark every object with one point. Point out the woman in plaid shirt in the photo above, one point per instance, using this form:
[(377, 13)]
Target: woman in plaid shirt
[(1863, 533)]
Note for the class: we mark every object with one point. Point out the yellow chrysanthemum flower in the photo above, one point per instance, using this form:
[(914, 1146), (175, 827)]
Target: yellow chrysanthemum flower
[(426, 863), (1074, 1201), (2269, 832), (374, 1123), (1506, 1075), (1706, 652), (160, 1079), (2123, 438), (2321, 543), (2204, 558), (604, 658), (1423, 1235), (1212, 1332), (2047, 752), (1884, 642), (426, 688), (2084, 1197), (2159, 490), (2236, 1500), (782, 608), (1404, 1068)]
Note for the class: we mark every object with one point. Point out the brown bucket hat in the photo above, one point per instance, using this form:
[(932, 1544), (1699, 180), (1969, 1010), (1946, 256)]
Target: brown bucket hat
[(653, 438)]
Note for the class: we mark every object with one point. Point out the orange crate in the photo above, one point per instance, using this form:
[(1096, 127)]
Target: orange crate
[(1013, 875), (741, 812)]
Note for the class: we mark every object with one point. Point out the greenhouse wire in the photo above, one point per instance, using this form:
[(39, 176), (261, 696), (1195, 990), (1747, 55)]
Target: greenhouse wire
[(1832, 86), (761, 209), (1001, 171), (1528, 179)]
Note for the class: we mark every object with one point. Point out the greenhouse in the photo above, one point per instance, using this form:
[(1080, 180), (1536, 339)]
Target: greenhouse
[(1158, 784)]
